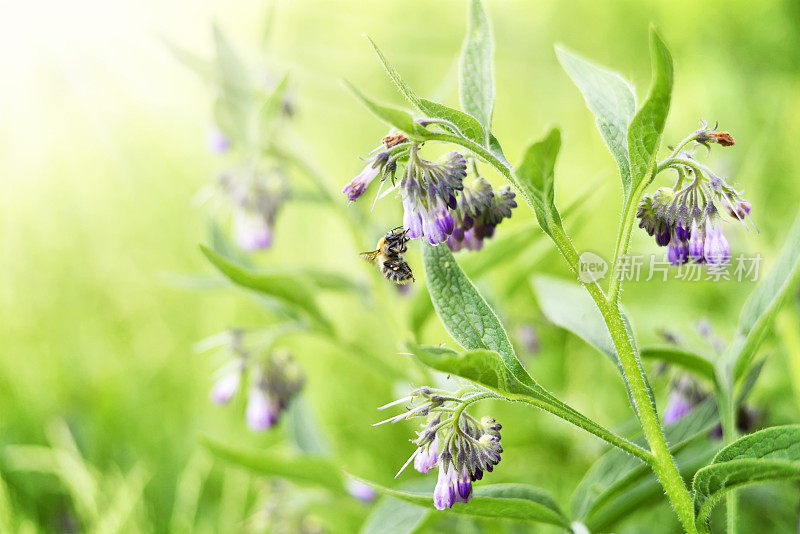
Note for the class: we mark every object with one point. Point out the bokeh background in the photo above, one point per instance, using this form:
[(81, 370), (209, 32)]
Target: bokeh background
[(103, 149)]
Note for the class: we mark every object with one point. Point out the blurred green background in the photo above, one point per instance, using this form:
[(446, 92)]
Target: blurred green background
[(102, 149)]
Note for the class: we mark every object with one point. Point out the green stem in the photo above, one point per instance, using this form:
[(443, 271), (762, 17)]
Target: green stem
[(565, 412), (663, 464), (729, 435), (661, 460), (623, 240)]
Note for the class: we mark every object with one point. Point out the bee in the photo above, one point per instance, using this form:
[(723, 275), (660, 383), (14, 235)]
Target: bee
[(389, 257)]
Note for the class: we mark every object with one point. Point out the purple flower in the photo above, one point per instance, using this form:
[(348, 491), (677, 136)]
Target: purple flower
[(480, 210), (678, 253), (226, 387), (716, 249), (358, 185), (697, 243), (446, 491), (253, 229), (678, 405), (261, 412), (427, 458), (217, 141), (428, 193), (360, 491)]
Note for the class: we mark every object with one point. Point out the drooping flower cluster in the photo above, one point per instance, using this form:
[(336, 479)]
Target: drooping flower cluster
[(480, 209), (685, 393), (274, 380), (463, 447), (255, 197), (437, 205), (688, 219)]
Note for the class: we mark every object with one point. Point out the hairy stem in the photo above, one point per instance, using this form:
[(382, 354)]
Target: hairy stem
[(663, 464), (661, 460)]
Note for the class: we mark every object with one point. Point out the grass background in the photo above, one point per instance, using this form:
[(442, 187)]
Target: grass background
[(102, 148)]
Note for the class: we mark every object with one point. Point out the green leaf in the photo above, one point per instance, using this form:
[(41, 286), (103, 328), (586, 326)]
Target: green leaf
[(307, 470), (502, 501), (232, 72), (763, 304), (467, 126), (402, 86), (768, 455), (681, 358), (395, 516), (271, 108), (203, 68), (569, 306), (397, 118), (476, 68), (286, 288), (605, 486), (463, 311), (611, 99), (535, 175), (484, 367), (304, 430), (647, 126)]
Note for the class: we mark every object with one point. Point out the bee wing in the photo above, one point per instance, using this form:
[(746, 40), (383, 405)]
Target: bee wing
[(371, 257)]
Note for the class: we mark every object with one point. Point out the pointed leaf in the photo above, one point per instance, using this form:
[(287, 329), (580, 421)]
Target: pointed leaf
[(503, 501), (681, 358), (306, 469), (768, 455), (484, 367), (397, 118), (644, 133), (612, 100), (287, 288), (535, 175), (476, 72), (763, 304), (463, 311), (569, 306)]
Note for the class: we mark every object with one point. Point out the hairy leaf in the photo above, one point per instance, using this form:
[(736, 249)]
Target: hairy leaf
[(476, 69), (397, 118), (466, 125), (768, 455), (464, 313), (503, 501), (763, 304), (681, 358), (484, 367), (286, 288), (611, 99), (535, 175), (647, 126), (304, 469)]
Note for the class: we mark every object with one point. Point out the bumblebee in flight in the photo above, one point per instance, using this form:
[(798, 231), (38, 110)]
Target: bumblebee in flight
[(389, 257)]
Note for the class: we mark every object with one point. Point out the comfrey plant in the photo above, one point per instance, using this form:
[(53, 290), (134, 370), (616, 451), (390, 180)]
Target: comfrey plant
[(688, 452), (439, 207), (250, 108), (688, 219), (270, 377), (461, 446)]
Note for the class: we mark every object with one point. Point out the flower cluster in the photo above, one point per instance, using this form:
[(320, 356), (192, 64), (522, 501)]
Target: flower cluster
[(437, 205), (255, 197), (463, 448), (688, 220), (480, 209), (274, 380)]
